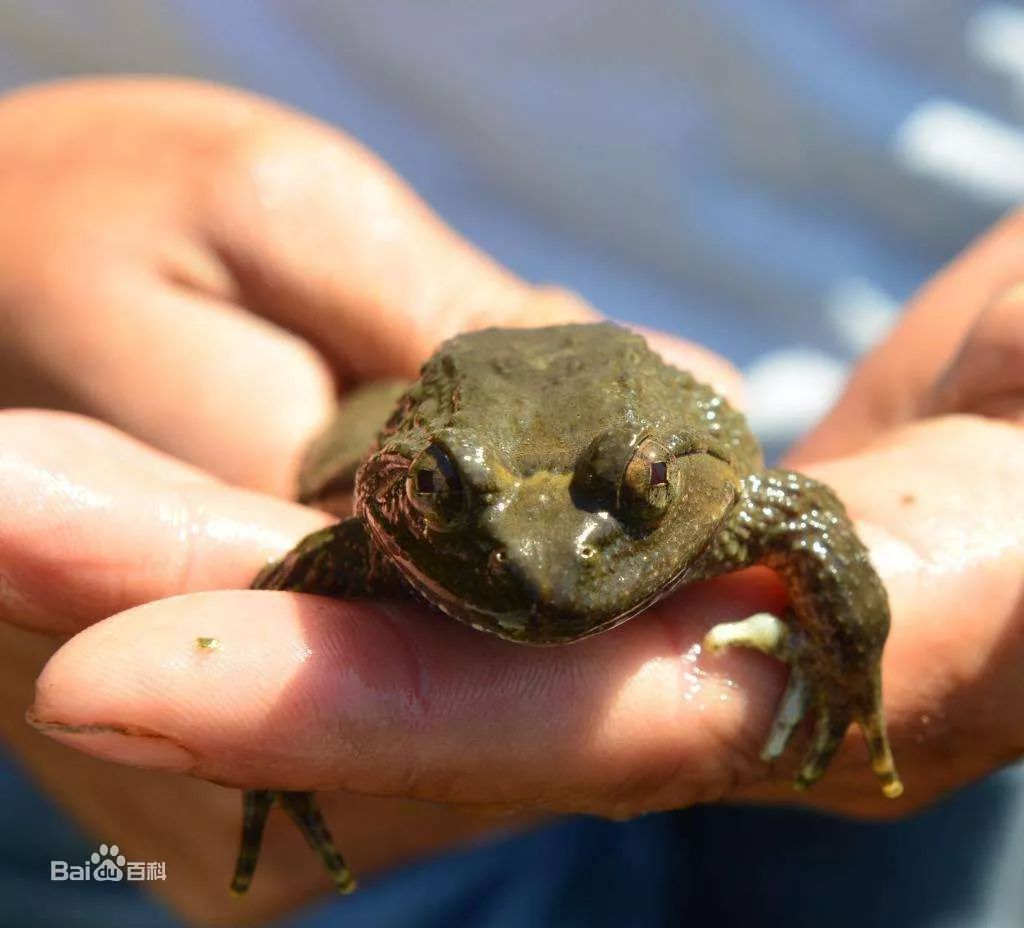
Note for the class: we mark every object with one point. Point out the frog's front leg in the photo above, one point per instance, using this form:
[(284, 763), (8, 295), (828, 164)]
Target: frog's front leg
[(336, 561), (834, 631)]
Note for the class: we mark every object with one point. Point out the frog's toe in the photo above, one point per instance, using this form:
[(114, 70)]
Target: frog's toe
[(792, 708), (829, 731), (769, 634), (303, 810), (830, 724), (256, 805), (872, 723), (764, 632)]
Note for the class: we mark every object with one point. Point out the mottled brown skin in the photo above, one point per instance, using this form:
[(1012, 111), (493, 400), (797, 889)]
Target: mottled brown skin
[(545, 485)]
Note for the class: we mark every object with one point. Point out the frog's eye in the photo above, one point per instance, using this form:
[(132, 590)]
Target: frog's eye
[(648, 484), (435, 487)]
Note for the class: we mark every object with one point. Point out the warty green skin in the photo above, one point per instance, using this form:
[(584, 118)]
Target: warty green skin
[(556, 525)]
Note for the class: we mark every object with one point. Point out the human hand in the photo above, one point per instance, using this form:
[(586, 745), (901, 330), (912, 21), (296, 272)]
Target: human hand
[(161, 243)]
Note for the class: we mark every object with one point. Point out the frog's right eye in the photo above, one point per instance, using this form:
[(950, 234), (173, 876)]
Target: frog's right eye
[(632, 475), (648, 484), (434, 486)]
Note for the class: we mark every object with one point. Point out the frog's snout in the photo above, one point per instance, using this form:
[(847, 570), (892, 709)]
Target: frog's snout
[(544, 560), (551, 549)]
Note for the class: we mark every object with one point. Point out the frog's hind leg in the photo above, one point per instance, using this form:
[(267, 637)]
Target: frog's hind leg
[(335, 561), (256, 805), (303, 810)]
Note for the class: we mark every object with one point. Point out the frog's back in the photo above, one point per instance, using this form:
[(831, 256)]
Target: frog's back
[(539, 396)]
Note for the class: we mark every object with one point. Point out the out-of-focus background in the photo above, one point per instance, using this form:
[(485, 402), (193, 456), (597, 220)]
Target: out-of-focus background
[(771, 178)]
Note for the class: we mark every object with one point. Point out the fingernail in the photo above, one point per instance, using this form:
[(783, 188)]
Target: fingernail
[(122, 744)]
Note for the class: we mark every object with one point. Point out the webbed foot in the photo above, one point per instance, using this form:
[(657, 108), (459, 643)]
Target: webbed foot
[(820, 686), (303, 810)]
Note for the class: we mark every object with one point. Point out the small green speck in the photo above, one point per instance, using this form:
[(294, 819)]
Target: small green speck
[(208, 644)]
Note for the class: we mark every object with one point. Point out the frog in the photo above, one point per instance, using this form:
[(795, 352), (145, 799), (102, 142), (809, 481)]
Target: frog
[(548, 484)]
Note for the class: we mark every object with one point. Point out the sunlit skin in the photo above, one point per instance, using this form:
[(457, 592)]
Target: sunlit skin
[(184, 492)]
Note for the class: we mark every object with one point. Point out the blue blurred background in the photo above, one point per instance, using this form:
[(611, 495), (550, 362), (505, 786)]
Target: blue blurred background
[(771, 178)]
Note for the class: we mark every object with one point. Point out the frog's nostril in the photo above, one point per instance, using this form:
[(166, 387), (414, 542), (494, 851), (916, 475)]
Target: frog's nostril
[(498, 560), (593, 535)]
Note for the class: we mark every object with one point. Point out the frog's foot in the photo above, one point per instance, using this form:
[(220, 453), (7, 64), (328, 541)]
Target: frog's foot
[(814, 690), (303, 810)]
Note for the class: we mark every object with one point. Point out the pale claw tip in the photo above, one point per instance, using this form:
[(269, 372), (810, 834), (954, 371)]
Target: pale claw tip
[(892, 790)]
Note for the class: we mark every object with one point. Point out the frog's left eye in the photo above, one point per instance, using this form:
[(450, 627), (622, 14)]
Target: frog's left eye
[(434, 486), (648, 484)]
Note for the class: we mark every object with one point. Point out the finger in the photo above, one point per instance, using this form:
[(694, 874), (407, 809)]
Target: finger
[(95, 522), (893, 384), (304, 692), (325, 239), (986, 377), (193, 376), (115, 304), (250, 202)]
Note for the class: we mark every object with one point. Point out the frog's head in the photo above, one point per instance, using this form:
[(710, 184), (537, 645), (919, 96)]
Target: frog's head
[(550, 549)]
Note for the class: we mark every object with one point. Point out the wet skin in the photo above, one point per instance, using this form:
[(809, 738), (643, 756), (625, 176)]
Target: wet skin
[(545, 485)]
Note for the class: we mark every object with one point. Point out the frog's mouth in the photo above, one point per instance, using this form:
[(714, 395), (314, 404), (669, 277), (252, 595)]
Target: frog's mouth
[(542, 623), (525, 600), (534, 624)]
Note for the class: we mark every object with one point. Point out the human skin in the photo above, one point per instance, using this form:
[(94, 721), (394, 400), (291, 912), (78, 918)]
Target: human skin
[(202, 272)]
